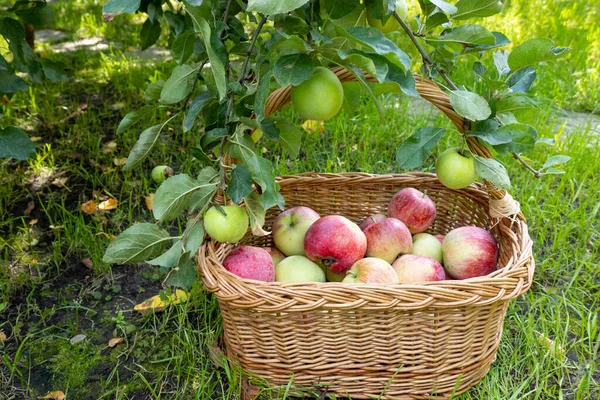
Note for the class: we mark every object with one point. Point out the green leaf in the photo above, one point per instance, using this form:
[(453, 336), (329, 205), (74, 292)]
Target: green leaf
[(352, 92), (38, 15), (14, 143), (340, 8), (183, 46), (197, 105), (374, 64), (10, 82), (240, 185), (414, 150), (154, 90), (476, 9), (435, 20), (212, 136), (379, 9), (521, 80), (143, 146), (548, 141), (470, 105), (194, 236), (138, 243), (469, 34), (173, 196), (554, 171), (501, 62), (268, 127), (262, 93), (488, 132), (493, 171), (360, 77), (376, 41), (134, 117), (444, 6), (289, 136), (270, 7), (531, 52), (293, 69), (404, 79), (183, 276), (256, 213), (169, 258), (506, 118), (216, 63), (116, 7), (179, 85), (53, 70), (523, 138), (208, 179), (514, 104), (556, 160), (150, 33)]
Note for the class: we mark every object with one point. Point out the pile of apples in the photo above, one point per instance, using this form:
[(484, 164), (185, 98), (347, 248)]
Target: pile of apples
[(383, 249)]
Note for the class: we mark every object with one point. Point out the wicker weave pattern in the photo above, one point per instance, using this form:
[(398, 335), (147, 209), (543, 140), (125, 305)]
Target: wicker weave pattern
[(417, 341)]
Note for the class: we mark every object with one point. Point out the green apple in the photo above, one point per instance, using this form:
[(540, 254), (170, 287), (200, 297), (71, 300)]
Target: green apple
[(289, 229), (320, 97), (391, 24), (427, 245), (298, 269), (333, 277), (160, 173), (226, 228), (455, 168)]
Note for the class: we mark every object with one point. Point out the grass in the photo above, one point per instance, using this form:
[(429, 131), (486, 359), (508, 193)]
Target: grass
[(550, 346)]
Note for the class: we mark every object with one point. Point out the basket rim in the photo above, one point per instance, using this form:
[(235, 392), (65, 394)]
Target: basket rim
[(507, 282)]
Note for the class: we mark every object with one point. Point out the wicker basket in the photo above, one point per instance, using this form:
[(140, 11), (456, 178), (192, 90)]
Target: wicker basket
[(397, 341)]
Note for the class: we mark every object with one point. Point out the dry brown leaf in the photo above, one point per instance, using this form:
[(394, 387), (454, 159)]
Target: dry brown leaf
[(58, 395), (87, 262), (554, 347), (89, 207), (216, 355), (312, 126), (120, 161), (108, 236), (156, 304), (29, 209), (60, 182), (2, 336), (108, 205), (4, 100), (33, 222), (115, 341), (109, 147), (149, 199)]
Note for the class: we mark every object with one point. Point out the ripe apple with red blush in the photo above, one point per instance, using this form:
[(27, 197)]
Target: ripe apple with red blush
[(469, 251), (371, 220), (387, 239), (414, 269), (250, 262), (414, 208), (371, 270), (335, 242)]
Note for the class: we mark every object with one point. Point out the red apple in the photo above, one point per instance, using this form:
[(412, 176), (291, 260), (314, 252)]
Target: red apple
[(290, 227), (469, 252), (275, 254), (335, 242), (371, 270), (415, 269), (387, 239), (250, 263), (371, 220), (414, 208)]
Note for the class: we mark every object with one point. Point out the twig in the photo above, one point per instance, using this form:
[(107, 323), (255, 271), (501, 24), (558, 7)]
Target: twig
[(535, 173), (225, 16), (426, 59)]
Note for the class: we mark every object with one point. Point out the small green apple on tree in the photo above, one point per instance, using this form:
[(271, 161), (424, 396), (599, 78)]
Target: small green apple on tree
[(231, 54)]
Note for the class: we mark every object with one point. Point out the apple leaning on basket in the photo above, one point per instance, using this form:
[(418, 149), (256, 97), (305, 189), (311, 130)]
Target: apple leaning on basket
[(392, 248)]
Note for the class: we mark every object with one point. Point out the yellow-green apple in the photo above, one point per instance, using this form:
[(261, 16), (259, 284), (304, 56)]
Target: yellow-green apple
[(298, 269), (415, 269), (455, 168), (391, 24), (289, 229), (160, 173), (371, 270), (371, 220), (469, 251), (427, 245), (230, 227), (387, 239), (320, 97), (250, 263), (275, 254), (335, 242), (414, 208), (331, 277)]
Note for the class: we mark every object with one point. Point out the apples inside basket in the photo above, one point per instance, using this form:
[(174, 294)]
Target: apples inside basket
[(394, 340)]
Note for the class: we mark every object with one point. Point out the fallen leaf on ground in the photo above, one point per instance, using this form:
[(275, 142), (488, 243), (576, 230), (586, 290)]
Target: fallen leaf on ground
[(115, 341), (60, 182), (108, 236), (58, 395), (120, 161), (312, 126), (149, 199), (89, 207), (33, 222), (36, 139), (87, 262), (550, 344), (2, 336), (216, 355), (29, 209), (108, 205), (156, 304), (109, 147)]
